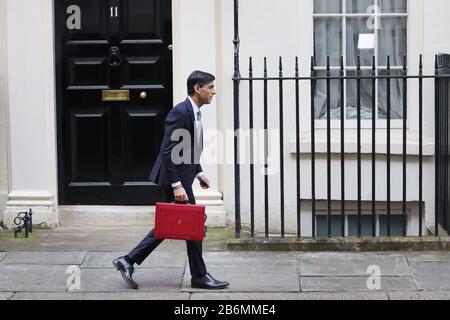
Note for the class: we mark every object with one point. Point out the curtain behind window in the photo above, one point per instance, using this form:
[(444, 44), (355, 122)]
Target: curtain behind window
[(328, 41)]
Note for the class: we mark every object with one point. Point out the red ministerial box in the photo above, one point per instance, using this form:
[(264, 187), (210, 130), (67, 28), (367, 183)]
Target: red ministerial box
[(179, 222)]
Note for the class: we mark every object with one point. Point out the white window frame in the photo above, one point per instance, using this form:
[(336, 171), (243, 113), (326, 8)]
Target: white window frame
[(366, 123)]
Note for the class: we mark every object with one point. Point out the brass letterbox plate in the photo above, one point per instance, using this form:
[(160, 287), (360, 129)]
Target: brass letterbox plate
[(116, 95)]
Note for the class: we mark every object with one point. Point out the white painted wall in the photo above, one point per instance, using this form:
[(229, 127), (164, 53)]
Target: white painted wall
[(3, 111), (195, 49), (272, 30)]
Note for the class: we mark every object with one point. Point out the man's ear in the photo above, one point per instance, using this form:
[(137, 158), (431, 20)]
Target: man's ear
[(197, 88)]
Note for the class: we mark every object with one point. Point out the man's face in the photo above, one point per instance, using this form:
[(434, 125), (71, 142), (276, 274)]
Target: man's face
[(206, 93)]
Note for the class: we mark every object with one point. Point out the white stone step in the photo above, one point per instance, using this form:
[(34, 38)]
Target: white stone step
[(132, 216)]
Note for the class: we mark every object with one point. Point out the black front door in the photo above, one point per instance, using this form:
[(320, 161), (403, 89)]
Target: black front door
[(114, 90)]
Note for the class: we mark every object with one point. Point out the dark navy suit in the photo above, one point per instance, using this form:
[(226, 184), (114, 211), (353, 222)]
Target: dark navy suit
[(165, 173), (180, 117)]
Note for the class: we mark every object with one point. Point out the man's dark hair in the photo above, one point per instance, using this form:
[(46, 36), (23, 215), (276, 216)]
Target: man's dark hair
[(198, 77)]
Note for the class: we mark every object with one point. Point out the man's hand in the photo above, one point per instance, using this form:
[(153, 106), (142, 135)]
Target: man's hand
[(204, 182), (180, 194)]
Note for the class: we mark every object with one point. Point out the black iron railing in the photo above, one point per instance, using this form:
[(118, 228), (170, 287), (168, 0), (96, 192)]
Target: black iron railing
[(442, 160), (376, 79)]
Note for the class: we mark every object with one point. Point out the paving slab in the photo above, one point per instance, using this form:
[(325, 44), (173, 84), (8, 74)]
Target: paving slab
[(149, 280), (432, 275), (251, 272), (9, 243), (158, 259), (101, 241), (281, 296), (2, 256), (217, 238), (17, 278), (352, 264), (364, 295), (96, 239), (428, 256), (245, 296), (422, 295), (135, 295), (6, 295), (342, 284), (124, 240), (44, 258)]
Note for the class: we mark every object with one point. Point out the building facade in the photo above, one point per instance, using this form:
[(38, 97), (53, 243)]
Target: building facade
[(66, 150)]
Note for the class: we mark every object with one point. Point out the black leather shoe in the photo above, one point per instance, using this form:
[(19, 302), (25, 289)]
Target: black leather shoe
[(208, 282), (126, 270)]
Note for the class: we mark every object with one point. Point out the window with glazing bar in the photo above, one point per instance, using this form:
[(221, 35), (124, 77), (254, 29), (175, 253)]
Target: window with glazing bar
[(365, 28)]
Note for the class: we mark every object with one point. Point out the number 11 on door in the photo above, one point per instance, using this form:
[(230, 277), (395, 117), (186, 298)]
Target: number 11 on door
[(114, 12)]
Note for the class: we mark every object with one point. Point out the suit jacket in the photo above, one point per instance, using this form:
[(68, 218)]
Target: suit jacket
[(165, 172)]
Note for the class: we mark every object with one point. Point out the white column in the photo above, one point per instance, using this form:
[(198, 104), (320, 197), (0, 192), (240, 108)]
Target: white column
[(32, 122), (3, 111), (194, 40)]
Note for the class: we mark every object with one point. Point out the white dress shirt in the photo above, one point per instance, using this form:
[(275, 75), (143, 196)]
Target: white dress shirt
[(196, 109)]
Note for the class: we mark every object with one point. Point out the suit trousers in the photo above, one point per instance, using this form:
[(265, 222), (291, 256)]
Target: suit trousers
[(149, 243)]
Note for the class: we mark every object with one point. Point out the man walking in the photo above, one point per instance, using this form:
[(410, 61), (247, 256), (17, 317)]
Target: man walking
[(176, 178)]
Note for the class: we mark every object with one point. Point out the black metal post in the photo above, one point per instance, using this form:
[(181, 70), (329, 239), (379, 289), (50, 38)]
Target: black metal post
[(266, 156), (358, 102), (374, 121), (236, 82), (437, 152), (252, 165), (341, 73), (313, 148), (405, 116), (30, 215), (444, 143), (297, 133), (26, 226), (328, 147), (388, 141), (281, 148), (420, 147)]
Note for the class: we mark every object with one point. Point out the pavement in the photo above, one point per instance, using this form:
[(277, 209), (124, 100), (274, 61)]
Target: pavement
[(76, 264)]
